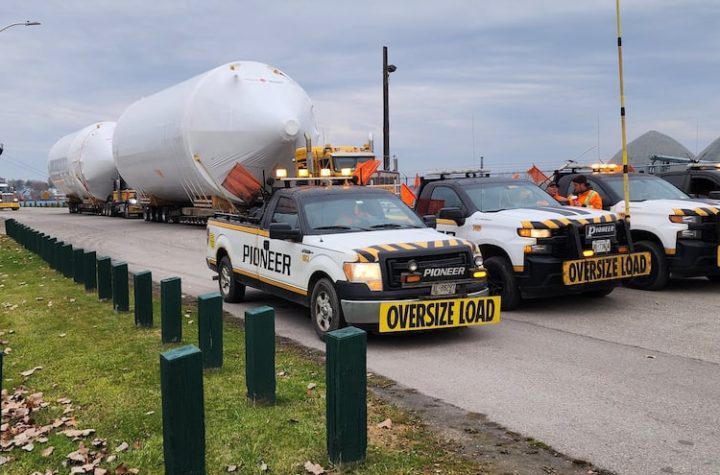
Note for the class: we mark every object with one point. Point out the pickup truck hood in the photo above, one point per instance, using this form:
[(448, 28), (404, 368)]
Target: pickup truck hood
[(370, 244), (540, 214), (667, 207)]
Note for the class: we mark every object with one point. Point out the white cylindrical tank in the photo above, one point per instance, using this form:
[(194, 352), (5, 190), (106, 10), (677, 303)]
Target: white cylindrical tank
[(81, 163), (180, 143)]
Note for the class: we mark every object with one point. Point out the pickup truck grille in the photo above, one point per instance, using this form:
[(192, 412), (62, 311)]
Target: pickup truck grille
[(396, 266), (568, 242), (710, 228)]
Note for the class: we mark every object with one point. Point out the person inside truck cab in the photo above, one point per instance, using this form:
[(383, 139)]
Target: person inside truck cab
[(585, 196), (554, 190)]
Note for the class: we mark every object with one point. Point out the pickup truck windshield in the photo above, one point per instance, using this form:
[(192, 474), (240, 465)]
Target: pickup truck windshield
[(489, 197), (358, 212), (646, 188)]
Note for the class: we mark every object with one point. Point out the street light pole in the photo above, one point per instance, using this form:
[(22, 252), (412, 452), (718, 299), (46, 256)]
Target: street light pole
[(387, 69), (27, 23)]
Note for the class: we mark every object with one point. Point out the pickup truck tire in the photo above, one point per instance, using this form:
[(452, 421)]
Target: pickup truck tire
[(659, 274), (502, 282), (325, 309), (231, 290)]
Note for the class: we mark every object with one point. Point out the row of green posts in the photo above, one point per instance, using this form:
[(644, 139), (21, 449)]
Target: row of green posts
[(181, 369)]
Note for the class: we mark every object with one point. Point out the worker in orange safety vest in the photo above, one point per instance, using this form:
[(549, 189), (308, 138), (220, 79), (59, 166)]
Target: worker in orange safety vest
[(585, 196)]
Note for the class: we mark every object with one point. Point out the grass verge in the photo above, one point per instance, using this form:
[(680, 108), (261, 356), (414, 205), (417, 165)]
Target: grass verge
[(110, 370)]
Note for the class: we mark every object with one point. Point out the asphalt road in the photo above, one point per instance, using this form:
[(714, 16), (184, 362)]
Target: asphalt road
[(629, 382)]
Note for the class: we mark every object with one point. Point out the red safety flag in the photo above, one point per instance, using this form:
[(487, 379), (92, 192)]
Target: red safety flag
[(416, 185), (536, 175), (407, 195)]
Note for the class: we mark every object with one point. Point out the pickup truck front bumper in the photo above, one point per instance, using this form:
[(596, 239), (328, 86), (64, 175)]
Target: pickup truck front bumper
[(694, 258), (367, 312)]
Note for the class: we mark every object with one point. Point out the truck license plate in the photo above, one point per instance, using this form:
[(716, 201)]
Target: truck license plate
[(442, 288), (600, 246)]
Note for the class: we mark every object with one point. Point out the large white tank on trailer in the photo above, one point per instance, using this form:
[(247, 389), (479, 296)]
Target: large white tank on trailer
[(81, 163), (180, 143)]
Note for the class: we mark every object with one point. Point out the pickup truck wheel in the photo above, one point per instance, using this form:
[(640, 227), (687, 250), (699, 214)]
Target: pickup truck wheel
[(325, 309), (502, 282), (659, 274), (231, 290)]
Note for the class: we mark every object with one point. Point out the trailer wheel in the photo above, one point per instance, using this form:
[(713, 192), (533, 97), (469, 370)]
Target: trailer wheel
[(325, 309), (659, 273), (502, 282), (231, 290)]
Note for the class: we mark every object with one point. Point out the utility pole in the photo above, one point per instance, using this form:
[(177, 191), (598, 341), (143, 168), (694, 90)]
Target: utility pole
[(387, 69)]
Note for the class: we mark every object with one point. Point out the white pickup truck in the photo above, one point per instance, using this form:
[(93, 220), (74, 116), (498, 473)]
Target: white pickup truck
[(354, 255), (532, 245)]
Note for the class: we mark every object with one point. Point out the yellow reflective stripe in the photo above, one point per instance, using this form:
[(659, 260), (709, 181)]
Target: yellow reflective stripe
[(272, 282), (550, 224), (526, 224), (361, 258), (236, 227), (453, 242), (422, 244), (388, 247), (446, 221), (678, 212), (583, 221), (407, 246), (372, 251), (701, 212), (565, 221), (439, 244)]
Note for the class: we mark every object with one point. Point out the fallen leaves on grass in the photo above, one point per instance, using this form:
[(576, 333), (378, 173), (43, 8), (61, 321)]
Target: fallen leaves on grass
[(30, 371), (47, 452), (386, 424), (314, 468), (122, 447)]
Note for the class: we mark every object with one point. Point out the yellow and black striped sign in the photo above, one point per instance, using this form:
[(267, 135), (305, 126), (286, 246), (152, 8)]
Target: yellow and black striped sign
[(709, 211), (372, 253), (557, 223)]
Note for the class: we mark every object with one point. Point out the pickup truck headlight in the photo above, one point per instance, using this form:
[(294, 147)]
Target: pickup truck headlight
[(685, 219), (534, 233), (364, 272)]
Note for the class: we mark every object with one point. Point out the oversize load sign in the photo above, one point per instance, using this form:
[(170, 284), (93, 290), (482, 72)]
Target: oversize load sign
[(428, 314), (582, 271)]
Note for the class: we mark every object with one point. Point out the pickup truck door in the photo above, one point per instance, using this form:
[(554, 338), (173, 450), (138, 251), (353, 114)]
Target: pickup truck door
[(282, 267)]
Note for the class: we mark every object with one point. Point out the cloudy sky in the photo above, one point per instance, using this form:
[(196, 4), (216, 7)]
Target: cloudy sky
[(516, 82)]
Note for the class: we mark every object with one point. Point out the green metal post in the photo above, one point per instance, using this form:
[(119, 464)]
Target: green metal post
[(142, 286), (52, 244), (183, 411), (90, 267), (260, 354), (120, 291), (79, 265), (171, 309), (57, 255), (67, 268), (346, 379), (104, 278), (210, 329)]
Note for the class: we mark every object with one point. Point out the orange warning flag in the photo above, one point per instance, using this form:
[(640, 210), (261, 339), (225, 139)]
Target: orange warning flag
[(416, 185), (407, 195), (536, 175), (365, 171)]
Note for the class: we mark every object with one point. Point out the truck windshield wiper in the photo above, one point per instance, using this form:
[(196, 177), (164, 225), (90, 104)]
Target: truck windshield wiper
[(387, 226), (338, 227)]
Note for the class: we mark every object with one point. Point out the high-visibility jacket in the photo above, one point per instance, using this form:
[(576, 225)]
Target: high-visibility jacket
[(589, 199)]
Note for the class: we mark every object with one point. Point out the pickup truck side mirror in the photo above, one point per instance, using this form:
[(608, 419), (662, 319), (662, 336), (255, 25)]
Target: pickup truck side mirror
[(714, 195), (284, 231), (430, 220), (455, 214)]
